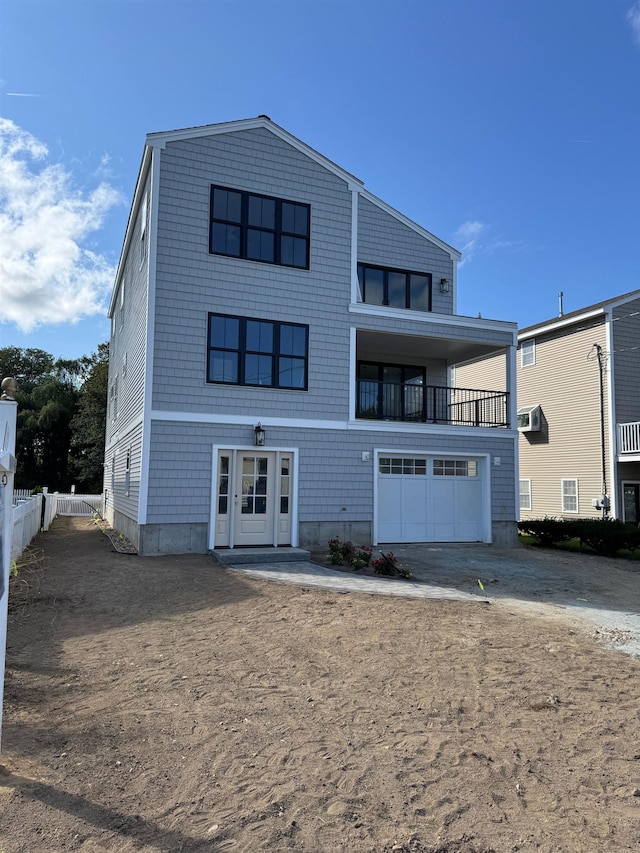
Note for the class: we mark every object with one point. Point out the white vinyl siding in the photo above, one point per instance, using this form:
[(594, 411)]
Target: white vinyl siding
[(565, 385)]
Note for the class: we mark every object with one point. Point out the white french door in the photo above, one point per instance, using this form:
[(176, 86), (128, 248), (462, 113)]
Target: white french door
[(253, 498)]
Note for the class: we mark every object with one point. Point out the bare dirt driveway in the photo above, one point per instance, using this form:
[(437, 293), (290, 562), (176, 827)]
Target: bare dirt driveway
[(169, 704)]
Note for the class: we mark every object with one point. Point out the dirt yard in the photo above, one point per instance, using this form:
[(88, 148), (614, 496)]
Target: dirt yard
[(167, 704)]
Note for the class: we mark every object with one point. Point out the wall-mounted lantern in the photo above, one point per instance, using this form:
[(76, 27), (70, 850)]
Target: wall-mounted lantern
[(444, 285), (258, 435)]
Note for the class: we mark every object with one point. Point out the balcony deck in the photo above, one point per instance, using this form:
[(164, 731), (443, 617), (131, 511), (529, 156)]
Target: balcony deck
[(435, 404), (629, 438)]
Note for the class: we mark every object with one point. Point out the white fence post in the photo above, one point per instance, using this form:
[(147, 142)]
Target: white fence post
[(8, 413)]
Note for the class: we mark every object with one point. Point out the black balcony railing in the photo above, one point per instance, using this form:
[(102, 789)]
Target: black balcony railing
[(389, 401)]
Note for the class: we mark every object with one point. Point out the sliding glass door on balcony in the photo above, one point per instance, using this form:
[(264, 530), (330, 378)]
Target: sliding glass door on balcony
[(394, 392), (390, 392)]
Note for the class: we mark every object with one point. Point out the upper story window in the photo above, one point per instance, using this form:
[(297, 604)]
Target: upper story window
[(242, 351), (527, 353), (259, 228), (396, 288)]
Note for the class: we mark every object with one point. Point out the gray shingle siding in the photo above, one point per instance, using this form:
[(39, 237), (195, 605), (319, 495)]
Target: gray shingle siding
[(191, 282), (129, 338), (335, 486), (385, 241), (626, 356), (332, 474)]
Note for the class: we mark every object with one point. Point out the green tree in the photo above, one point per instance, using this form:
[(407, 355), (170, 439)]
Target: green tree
[(48, 391), (88, 424)]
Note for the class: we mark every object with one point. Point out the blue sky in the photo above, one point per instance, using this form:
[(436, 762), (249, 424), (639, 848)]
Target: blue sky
[(508, 128)]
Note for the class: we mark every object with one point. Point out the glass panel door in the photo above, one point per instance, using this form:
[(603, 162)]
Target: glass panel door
[(631, 497)]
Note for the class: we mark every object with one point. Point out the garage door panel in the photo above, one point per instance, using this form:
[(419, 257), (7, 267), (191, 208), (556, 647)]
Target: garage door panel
[(390, 510), (435, 507), (469, 495)]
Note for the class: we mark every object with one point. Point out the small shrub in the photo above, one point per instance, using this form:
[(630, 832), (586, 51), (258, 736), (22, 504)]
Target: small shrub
[(346, 553), (386, 564), (335, 551), (548, 531), (605, 536), (363, 554)]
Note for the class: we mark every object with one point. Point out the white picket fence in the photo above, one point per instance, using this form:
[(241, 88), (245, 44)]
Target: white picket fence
[(59, 504), (28, 516)]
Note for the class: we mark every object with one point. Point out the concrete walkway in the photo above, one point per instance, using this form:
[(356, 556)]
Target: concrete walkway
[(312, 574), (602, 594)]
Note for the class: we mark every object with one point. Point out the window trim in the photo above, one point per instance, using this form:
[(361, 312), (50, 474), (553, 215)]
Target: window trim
[(242, 352), (528, 347), (385, 284), (245, 226), (527, 493), (563, 495)]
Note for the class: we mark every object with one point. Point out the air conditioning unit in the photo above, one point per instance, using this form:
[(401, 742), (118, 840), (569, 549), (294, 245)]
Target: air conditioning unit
[(529, 419)]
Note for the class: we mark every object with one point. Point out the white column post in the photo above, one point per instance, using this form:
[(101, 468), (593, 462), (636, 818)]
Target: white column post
[(8, 413)]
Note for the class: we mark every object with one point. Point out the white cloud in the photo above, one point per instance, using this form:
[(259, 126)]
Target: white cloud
[(47, 275), (475, 238), (633, 16), (469, 237)]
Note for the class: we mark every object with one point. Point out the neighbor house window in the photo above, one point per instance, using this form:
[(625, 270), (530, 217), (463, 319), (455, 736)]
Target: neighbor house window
[(259, 228), (525, 494), (243, 351), (395, 288), (569, 495), (527, 353)]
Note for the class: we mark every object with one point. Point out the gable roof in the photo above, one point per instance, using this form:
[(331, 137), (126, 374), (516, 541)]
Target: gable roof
[(598, 309), (160, 139)]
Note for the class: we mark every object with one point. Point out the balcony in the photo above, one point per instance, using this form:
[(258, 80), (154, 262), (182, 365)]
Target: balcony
[(434, 404), (629, 440)]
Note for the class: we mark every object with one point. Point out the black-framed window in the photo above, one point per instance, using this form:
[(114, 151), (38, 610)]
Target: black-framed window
[(259, 228), (244, 351), (390, 391), (395, 288)]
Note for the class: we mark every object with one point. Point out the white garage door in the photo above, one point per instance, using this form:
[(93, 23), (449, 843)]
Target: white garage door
[(430, 499)]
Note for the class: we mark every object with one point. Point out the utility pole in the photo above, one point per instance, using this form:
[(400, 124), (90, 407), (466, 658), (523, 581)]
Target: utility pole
[(601, 368)]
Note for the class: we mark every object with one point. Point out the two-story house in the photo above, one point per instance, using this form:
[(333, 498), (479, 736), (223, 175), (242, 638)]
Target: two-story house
[(578, 411), (281, 355)]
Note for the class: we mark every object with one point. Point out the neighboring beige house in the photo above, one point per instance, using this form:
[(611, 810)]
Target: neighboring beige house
[(578, 393)]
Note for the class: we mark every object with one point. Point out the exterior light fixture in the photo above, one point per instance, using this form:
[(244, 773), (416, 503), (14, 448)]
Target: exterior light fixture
[(258, 435), (444, 285)]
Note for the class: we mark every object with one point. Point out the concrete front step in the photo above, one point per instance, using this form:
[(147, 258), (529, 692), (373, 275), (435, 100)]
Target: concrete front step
[(252, 556)]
